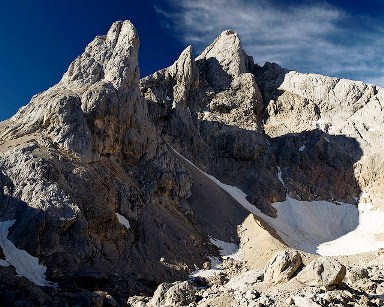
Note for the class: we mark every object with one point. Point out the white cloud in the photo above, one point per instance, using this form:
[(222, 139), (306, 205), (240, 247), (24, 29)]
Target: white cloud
[(317, 38)]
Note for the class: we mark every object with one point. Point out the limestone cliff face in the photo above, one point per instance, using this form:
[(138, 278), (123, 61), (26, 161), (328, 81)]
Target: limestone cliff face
[(96, 109), (245, 120), (100, 145), (219, 127), (347, 114), (86, 150)]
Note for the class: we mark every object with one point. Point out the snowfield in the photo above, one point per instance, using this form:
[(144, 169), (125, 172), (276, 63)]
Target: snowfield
[(25, 264), (319, 227)]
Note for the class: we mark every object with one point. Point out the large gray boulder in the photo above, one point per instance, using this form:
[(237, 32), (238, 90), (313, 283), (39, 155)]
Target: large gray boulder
[(173, 294), (323, 271), (282, 266)]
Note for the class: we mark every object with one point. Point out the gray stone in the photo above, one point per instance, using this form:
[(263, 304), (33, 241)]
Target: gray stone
[(323, 271), (85, 150), (282, 266), (177, 293), (95, 145)]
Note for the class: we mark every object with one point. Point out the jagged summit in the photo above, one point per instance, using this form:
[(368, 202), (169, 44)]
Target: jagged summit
[(96, 108), (112, 58), (223, 59), (111, 185)]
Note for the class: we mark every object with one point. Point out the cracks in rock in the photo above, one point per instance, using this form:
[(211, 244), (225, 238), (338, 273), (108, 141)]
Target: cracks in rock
[(358, 132)]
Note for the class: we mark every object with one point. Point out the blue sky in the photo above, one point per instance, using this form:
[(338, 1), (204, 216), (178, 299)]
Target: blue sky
[(39, 39)]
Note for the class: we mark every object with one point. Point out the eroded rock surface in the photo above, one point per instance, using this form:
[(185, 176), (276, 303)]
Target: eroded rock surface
[(323, 271), (282, 266), (85, 150), (103, 144)]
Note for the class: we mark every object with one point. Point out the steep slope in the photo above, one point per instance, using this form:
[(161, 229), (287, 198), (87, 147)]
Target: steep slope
[(349, 111), (244, 137), (219, 126), (114, 183), (84, 153)]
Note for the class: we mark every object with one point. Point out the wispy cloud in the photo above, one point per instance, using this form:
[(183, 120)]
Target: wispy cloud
[(317, 37)]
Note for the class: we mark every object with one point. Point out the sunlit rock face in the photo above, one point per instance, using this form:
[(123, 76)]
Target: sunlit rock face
[(83, 156), (122, 184)]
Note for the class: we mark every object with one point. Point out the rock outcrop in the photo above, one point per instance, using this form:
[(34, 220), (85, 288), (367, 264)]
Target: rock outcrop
[(219, 126), (118, 185), (282, 266), (178, 293), (296, 103), (85, 150), (323, 271)]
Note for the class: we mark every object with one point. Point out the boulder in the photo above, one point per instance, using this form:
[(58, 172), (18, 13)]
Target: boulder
[(217, 279), (173, 294), (323, 271), (282, 266)]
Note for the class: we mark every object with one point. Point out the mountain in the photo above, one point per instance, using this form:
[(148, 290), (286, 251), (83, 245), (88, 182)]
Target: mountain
[(114, 186)]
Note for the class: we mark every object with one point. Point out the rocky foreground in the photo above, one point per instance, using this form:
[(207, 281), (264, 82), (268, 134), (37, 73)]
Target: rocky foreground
[(284, 281), (213, 182)]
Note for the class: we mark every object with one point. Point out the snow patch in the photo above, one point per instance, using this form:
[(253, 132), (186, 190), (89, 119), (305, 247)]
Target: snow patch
[(302, 148), (25, 264), (206, 113), (361, 239), (371, 129), (319, 124), (123, 221), (4, 262), (168, 98), (226, 249), (318, 226), (279, 176), (215, 268)]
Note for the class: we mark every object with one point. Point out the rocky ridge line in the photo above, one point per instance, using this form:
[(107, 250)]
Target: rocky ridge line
[(101, 145)]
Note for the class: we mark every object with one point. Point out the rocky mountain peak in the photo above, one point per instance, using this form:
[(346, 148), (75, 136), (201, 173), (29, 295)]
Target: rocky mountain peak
[(186, 75), (96, 109), (112, 185), (185, 64), (112, 57), (172, 85), (223, 59)]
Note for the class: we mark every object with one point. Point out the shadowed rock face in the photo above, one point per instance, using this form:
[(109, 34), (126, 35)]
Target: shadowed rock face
[(296, 103), (230, 131), (99, 143), (84, 150)]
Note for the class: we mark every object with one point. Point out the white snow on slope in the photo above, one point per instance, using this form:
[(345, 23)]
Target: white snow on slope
[(4, 262), (363, 238), (215, 268), (123, 221), (328, 229), (319, 226), (226, 249), (25, 264)]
